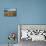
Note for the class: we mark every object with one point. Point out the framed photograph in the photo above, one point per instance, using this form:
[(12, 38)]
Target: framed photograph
[(10, 12)]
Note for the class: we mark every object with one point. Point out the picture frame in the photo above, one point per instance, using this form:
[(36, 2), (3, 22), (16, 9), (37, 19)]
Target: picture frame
[(10, 12)]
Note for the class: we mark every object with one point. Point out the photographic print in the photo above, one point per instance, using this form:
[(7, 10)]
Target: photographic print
[(10, 12)]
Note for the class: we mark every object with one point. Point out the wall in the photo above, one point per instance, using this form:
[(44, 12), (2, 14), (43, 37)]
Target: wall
[(28, 12)]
